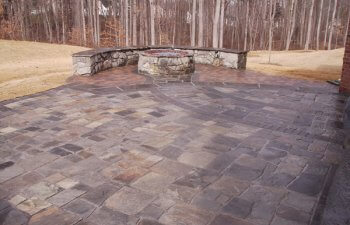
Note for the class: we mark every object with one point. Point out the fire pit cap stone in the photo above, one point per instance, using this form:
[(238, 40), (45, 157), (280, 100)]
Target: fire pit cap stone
[(166, 53)]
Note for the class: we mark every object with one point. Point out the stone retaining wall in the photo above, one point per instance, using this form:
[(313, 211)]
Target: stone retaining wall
[(91, 62)]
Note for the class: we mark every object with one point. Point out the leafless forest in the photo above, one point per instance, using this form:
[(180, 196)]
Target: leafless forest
[(235, 24)]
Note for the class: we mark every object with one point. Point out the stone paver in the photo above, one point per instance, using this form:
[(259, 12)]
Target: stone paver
[(42, 190), (153, 182), (33, 205), (107, 216), (197, 159), (229, 186), (238, 208), (233, 147), (13, 216), (99, 194), (53, 216), (10, 172), (182, 214), (129, 201), (80, 207), (65, 197)]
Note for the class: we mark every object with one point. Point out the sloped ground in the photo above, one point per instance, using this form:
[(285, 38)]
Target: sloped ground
[(317, 65), (106, 151), (30, 67)]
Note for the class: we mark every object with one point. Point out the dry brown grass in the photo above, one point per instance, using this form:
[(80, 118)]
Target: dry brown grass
[(31, 67), (315, 65)]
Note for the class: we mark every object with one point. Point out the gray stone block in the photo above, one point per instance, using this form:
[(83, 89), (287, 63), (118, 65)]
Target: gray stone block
[(91, 62)]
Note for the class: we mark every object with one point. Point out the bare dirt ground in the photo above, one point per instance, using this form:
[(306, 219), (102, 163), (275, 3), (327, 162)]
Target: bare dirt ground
[(316, 65), (31, 67)]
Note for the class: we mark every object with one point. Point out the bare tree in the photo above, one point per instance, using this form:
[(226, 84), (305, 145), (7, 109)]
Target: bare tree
[(327, 24), (153, 35), (222, 15), (174, 26), (302, 22), (193, 27), (134, 22), (126, 14), (332, 25), (146, 22), (215, 24), (200, 23), (237, 24), (246, 26), (47, 18), (291, 26), (272, 13), (97, 21), (308, 35), (319, 25)]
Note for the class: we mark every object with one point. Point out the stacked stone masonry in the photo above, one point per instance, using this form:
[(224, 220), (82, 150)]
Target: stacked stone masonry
[(91, 62), (167, 65), (345, 80)]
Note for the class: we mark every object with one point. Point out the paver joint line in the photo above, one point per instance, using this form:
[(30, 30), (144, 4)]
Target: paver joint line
[(129, 151)]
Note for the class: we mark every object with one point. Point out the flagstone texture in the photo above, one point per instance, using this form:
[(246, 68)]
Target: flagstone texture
[(230, 148)]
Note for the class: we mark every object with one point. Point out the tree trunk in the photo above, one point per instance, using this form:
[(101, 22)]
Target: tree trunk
[(97, 14), (46, 28), (93, 16), (126, 14), (146, 21), (327, 24), (222, 15), (83, 22), (53, 6), (319, 26), (332, 25), (91, 20), (22, 20), (272, 18), (152, 12), (263, 36), (307, 43), (246, 26), (292, 26), (302, 24), (215, 24), (141, 24), (48, 22), (174, 24), (200, 24), (64, 23), (193, 27), (134, 23), (337, 30)]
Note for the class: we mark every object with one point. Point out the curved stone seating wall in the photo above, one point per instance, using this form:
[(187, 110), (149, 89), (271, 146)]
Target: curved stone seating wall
[(91, 62)]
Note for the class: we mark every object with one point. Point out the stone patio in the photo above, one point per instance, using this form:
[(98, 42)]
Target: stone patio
[(230, 148)]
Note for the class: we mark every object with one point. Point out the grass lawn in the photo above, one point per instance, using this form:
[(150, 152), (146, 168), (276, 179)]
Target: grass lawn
[(316, 65), (31, 67)]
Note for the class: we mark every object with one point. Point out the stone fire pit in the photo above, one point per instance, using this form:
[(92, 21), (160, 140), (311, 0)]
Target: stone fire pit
[(167, 64)]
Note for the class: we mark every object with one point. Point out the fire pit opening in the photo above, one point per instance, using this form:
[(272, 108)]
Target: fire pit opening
[(167, 64)]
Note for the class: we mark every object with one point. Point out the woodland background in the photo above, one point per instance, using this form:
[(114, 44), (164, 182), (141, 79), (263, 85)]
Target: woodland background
[(235, 24)]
